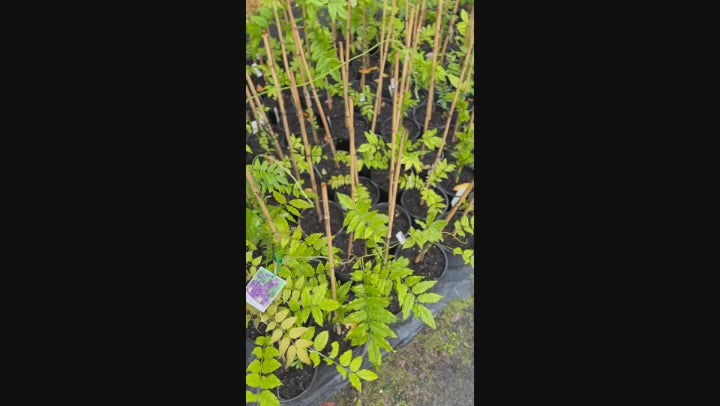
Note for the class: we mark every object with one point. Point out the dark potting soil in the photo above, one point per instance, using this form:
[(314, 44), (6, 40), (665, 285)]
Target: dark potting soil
[(327, 168), (339, 129), (333, 336), (407, 123), (437, 119), (466, 176), (345, 189), (341, 241), (428, 159), (254, 143), (251, 333), (411, 199), (294, 125), (400, 221), (431, 267), (310, 224), (295, 381), (385, 111), (452, 243), (381, 178), (394, 307)]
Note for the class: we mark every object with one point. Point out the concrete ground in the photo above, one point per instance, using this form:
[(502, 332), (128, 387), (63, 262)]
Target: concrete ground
[(436, 368)]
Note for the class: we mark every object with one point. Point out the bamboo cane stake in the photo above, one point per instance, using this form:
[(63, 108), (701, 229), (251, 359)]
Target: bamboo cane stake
[(392, 203), (383, 59), (260, 116), (308, 154), (350, 128), (271, 63), (303, 59), (348, 39), (265, 212), (298, 105), (450, 30), (330, 248), (436, 45), (460, 202), (461, 86), (447, 127)]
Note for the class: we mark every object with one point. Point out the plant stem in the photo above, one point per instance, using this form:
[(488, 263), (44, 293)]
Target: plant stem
[(383, 59), (271, 63), (330, 249), (304, 64), (265, 212), (261, 118), (461, 86), (255, 101), (450, 31), (469, 206), (308, 154), (436, 46)]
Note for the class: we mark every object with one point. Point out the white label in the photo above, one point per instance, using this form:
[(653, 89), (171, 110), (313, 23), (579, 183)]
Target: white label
[(277, 115), (254, 126), (429, 55), (362, 97), (391, 86), (263, 289), (401, 237), (258, 73), (455, 199)]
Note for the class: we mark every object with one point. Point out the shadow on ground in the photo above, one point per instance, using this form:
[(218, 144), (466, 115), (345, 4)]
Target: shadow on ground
[(436, 368)]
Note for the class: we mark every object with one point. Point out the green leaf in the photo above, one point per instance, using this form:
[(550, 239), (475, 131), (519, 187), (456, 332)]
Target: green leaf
[(422, 287), (257, 351), (250, 397), (317, 316), (293, 211), (254, 367), (321, 340), (315, 359), (270, 352), (356, 382), (367, 375), (281, 315), (269, 382), (269, 366), (329, 305), (301, 204), (289, 322), (335, 349), (425, 315), (345, 201), (342, 371), (284, 344), (413, 280), (303, 343), (280, 198), (297, 332), (407, 305), (346, 358), (356, 364), (268, 399), (252, 380), (429, 298), (374, 354)]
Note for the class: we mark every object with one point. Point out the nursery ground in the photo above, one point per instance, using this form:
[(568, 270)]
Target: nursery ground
[(436, 368)]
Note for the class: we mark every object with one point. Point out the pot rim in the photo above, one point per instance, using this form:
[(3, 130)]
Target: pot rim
[(447, 259)]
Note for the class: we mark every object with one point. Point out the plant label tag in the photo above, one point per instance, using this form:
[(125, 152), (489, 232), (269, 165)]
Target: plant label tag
[(362, 97), (429, 55), (254, 126), (391, 86), (263, 289), (458, 194), (277, 115), (401, 237), (258, 73)]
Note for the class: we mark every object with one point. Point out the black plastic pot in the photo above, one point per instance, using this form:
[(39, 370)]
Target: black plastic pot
[(451, 193), (330, 203), (403, 198), (409, 123), (444, 254), (367, 182), (384, 207), (302, 394), (453, 260), (418, 115)]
